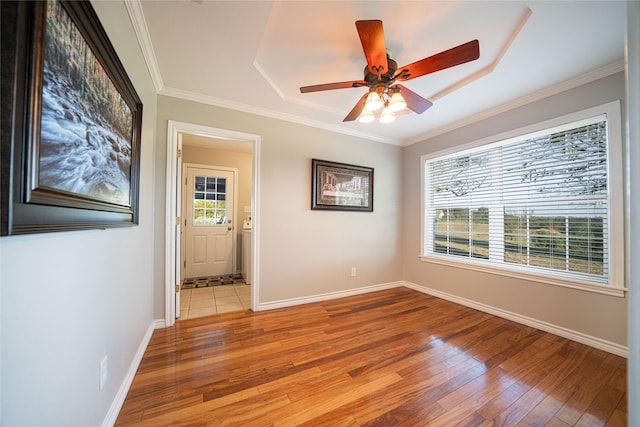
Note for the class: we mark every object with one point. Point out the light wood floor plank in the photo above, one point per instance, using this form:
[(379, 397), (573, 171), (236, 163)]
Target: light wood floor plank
[(390, 358)]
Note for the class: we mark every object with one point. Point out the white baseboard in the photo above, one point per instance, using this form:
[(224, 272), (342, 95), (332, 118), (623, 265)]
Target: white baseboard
[(118, 401), (159, 324), (589, 340), (327, 296)]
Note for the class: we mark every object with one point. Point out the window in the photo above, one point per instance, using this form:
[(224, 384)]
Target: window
[(545, 204), (209, 204)]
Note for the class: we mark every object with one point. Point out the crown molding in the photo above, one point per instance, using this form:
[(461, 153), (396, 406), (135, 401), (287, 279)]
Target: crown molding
[(136, 15), (224, 103), (134, 9), (580, 80)]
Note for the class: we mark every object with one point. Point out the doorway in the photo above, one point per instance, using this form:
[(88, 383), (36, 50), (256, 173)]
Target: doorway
[(214, 139)]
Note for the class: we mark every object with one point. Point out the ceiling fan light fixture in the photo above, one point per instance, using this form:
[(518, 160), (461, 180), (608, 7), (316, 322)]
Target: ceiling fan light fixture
[(387, 116), (382, 73), (397, 102), (373, 102), (366, 116)]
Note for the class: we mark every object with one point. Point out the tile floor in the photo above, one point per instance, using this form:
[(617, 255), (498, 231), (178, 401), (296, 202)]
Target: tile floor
[(198, 302)]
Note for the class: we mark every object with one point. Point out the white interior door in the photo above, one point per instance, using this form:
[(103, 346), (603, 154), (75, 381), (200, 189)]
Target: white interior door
[(209, 221), (178, 229)]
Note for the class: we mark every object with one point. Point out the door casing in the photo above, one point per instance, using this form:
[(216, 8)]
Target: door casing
[(173, 203)]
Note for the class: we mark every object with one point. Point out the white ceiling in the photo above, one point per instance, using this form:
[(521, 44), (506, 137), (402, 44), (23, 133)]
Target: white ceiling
[(254, 56)]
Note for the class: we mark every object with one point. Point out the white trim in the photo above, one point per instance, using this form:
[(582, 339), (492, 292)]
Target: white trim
[(290, 302), (169, 223), (159, 324), (492, 66), (231, 105), (607, 70), (178, 230), (134, 9), (513, 271), (268, 79), (255, 224), (616, 280), (234, 220), (609, 108), (597, 74), (136, 15), (589, 340), (118, 400), (173, 129), (570, 334), (615, 164)]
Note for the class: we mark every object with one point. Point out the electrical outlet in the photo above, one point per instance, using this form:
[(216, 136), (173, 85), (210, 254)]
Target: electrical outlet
[(103, 372), (353, 272)]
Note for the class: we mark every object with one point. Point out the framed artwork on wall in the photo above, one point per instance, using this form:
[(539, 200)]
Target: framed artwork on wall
[(341, 187), (73, 138)]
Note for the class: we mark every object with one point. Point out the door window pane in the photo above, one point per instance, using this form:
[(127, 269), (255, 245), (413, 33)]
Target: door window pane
[(209, 204)]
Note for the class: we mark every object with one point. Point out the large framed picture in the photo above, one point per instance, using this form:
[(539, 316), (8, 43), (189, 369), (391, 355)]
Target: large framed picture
[(71, 140), (340, 186)]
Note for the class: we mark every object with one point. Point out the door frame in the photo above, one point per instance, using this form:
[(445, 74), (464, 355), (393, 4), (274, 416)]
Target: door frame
[(234, 220), (172, 222)]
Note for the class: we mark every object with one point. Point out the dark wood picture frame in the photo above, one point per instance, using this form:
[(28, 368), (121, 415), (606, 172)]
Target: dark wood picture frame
[(341, 187), (71, 122)]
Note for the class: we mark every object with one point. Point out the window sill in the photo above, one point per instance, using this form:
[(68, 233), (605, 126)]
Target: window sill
[(470, 265)]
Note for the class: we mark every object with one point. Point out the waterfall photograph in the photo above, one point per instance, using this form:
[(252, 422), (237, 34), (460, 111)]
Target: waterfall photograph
[(75, 162), (86, 127)]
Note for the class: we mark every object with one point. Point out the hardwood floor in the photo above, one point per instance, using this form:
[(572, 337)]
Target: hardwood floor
[(390, 358)]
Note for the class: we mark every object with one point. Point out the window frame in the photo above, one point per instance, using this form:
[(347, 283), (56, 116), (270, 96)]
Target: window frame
[(616, 283)]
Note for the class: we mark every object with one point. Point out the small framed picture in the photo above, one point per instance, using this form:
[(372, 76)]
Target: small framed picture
[(341, 187)]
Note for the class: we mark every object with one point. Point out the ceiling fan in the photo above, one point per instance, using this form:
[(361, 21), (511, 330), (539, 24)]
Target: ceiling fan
[(382, 74)]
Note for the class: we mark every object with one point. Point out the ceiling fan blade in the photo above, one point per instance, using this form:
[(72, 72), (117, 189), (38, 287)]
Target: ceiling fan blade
[(415, 102), (330, 86), (355, 113), (466, 52), (372, 39)]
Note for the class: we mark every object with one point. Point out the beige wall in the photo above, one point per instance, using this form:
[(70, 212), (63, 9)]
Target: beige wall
[(69, 299), (231, 159), (302, 253), (599, 316)]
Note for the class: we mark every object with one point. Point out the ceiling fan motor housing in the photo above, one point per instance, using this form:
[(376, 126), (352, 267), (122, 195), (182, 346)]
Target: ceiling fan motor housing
[(373, 79), (384, 85)]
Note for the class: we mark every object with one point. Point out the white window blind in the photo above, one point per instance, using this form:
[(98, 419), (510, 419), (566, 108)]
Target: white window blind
[(537, 203)]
